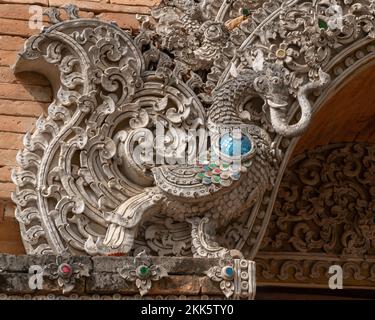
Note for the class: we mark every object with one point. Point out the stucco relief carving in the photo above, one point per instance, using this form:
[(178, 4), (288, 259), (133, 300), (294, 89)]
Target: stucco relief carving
[(66, 272), (80, 188), (326, 203), (237, 279), (324, 215), (143, 272)]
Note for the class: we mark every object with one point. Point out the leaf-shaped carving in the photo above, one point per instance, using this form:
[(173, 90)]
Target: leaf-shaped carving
[(53, 54), (22, 178), (27, 215), (23, 197), (141, 119)]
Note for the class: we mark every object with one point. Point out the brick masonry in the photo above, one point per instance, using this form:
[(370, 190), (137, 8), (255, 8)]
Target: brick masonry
[(25, 96)]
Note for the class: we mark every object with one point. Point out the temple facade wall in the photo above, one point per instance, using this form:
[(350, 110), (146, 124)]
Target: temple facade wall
[(323, 212)]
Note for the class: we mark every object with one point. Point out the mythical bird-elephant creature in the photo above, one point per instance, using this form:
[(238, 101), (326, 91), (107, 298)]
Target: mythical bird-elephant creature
[(210, 195)]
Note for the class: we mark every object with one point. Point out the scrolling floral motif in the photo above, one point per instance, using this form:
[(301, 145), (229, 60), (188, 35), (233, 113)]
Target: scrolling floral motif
[(326, 203), (143, 272), (79, 187), (323, 216)]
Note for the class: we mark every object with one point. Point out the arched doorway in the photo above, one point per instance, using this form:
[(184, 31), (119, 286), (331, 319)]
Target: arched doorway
[(324, 212)]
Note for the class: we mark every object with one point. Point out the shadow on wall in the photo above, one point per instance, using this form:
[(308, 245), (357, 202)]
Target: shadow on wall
[(10, 238), (23, 98)]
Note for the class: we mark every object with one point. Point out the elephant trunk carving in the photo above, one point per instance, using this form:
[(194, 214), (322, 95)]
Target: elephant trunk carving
[(278, 109)]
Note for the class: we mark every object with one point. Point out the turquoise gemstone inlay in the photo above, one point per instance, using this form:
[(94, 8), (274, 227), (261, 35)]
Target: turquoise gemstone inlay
[(228, 272), (227, 145)]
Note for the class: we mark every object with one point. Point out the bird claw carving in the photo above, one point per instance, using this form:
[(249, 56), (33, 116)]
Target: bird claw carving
[(202, 244)]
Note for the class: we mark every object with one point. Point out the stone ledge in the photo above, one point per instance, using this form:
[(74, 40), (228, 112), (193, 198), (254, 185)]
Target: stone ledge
[(117, 296), (175, 265), (186, 276)]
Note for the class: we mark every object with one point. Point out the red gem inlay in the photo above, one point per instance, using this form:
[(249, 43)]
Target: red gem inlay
[(65, 269)]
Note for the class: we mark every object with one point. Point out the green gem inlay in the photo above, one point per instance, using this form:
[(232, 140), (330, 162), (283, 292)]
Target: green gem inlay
[(143, 271), (200, 175), (322, 24), (216, 179), (213, 165), (225, 166), (245, 12)]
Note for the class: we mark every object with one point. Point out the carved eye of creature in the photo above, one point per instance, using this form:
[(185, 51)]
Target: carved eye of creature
[(231, 146)]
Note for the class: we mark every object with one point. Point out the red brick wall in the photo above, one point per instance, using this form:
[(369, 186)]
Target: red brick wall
[(23, 97)]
